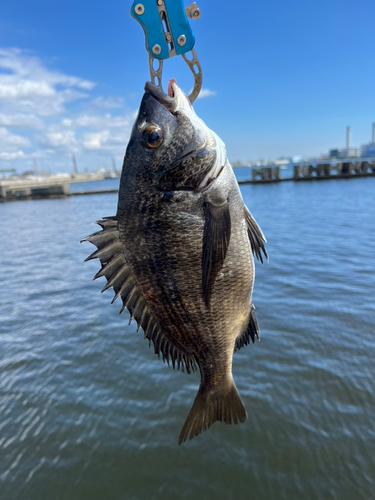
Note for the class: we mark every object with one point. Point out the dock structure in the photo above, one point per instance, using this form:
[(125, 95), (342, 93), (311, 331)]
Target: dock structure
[(308, 172), (266, 174), (21, 192), (47, 187), (327, 170)]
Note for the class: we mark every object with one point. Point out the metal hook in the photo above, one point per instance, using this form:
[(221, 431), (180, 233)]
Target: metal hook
[(194, 63), (156, 75)]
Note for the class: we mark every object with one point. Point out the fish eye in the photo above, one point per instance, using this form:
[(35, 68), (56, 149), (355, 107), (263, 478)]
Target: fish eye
[(152, 136)]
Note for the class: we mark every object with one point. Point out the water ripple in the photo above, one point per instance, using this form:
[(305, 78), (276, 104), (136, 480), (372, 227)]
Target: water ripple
[(87, 410)]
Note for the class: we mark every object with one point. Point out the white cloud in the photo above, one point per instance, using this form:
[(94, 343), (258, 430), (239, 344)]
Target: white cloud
[(206, 93), (21, 121), (96, 141), (24, 88), (10, 145), (27, 85), (105, 140), (109, 102), (4, 155), (58, 140), (9, 141), (44, 106), (98, 122)]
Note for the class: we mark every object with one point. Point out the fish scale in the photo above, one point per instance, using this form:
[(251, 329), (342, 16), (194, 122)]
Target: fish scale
[(187, 242)]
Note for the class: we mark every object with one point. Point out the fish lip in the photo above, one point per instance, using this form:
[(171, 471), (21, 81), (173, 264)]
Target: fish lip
[(167, 101)]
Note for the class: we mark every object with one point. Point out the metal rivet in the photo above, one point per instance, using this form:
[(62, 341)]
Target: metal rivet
[(168, 37), (181, 40), (156, 49), (160, 2), (139, 9)]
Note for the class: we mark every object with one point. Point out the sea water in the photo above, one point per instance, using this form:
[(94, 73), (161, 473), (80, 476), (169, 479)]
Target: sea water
[(87, 411)]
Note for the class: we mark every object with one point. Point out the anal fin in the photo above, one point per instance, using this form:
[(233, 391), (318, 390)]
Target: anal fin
[(252, 331)]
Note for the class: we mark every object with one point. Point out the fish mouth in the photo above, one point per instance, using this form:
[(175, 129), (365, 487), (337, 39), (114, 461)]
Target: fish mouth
[(172, 82), (175, 98)]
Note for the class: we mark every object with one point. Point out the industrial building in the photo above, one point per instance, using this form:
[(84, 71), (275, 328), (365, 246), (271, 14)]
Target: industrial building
[(369, 149), (365, 151), (347, 152)]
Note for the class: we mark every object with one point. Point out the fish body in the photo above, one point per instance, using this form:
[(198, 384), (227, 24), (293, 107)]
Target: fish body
[(185, 241)]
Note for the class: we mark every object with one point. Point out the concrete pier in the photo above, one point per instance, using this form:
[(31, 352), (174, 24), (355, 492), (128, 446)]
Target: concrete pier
[(46, 187), (266, 174), (9, 193), (326, 171)]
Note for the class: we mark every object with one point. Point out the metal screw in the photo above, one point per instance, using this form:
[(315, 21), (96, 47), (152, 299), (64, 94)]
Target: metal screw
[(160, 2), (195, 13), (139, 9), (156, 49), (181, 40), (168, 37)]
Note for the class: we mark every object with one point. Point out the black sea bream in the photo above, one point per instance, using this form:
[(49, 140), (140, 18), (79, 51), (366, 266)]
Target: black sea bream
[(179, 251)]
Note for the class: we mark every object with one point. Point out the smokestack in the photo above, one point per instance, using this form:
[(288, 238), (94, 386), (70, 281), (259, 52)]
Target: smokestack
[(114, 165), (373, 132), (75, 170), (348, 134)]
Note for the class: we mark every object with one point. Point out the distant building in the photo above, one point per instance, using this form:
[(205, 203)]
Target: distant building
[(369, 149), (345, 153)]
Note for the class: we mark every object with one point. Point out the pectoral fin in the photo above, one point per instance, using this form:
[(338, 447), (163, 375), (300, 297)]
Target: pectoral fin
[(256, 236), (216, 237)]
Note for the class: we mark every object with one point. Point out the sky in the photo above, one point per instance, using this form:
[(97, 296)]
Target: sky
[(279, 78)]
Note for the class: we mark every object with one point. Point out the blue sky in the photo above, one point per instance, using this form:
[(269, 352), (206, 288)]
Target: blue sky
[(280, 78)]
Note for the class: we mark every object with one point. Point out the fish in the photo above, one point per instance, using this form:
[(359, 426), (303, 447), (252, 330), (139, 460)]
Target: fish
[(179, 251)]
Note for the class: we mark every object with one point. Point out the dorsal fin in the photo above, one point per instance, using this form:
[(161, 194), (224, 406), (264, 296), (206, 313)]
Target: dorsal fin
[(119, 276), (256, 236), (252, 331)]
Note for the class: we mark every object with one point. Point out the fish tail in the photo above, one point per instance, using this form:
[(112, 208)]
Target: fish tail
[(222, 404)]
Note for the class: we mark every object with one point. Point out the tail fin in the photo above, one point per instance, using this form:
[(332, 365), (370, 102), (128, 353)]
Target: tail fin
[(223, 405)]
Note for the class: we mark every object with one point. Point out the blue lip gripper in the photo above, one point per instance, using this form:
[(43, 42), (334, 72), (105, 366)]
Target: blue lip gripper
[(168, 34)]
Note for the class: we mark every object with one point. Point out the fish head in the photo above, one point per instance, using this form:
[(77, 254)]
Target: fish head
[(170, 147)]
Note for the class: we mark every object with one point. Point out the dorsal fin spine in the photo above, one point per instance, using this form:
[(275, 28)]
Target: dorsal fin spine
[(123, 286), (115, 276), (113, 262), (142, 316), (114, 247), (126, 300), (118, 273), (135, 307)]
